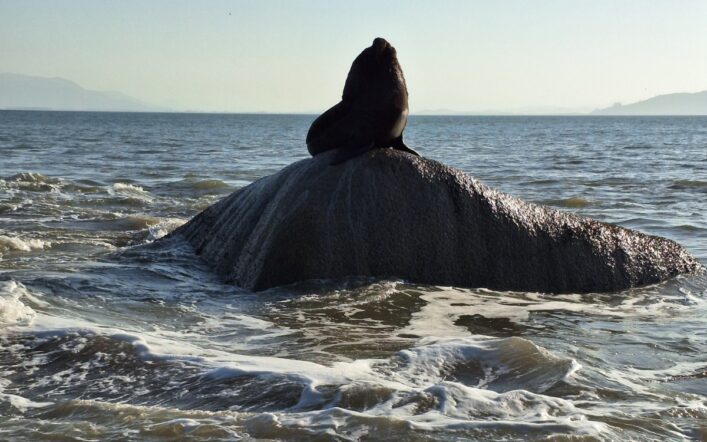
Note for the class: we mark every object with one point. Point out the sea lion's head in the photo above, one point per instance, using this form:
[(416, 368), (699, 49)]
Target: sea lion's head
[(383, 52), (376, 70)]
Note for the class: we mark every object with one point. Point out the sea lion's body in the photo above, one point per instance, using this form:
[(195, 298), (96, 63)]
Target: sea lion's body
[(372, 112)]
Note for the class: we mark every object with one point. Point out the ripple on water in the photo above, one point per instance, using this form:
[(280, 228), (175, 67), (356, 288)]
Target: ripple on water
[(429, 386), (574, 202), (102, 341), (693, 185)]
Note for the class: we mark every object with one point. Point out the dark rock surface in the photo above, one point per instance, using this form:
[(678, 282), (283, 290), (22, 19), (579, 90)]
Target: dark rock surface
[(391, 214)]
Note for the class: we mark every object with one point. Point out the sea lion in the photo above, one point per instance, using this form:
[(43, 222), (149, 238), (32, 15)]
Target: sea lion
[(373, 109)]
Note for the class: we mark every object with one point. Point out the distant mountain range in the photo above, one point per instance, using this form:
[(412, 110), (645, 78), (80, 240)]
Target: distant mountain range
[(669, 104), (42, 93)]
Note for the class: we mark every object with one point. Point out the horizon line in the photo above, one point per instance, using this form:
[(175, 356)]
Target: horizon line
[(459, 114)]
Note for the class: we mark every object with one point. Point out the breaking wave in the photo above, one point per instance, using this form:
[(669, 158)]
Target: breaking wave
[(13, 311), (456, 385), (12, 243)]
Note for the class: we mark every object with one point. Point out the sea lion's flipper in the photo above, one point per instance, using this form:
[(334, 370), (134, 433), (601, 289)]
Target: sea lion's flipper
[(347, 152), (325, 132), (400, 145)]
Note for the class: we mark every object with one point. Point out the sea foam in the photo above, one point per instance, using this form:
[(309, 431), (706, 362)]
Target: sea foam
[(12, 243), (12, 310)]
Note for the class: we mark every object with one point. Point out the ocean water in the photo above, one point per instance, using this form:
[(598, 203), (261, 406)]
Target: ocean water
[(101, 340)]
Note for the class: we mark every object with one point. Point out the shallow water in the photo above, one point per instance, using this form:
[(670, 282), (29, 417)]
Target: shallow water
[(102, 340)]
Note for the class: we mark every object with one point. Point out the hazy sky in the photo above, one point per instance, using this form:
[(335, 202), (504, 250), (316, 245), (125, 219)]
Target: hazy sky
[(293, 56)]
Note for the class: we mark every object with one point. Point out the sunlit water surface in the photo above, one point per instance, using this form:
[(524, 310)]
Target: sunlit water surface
[(102, 340)]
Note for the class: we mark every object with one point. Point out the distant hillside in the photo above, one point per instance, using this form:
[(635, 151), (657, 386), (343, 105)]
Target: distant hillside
[(29, 92), (670, 104)]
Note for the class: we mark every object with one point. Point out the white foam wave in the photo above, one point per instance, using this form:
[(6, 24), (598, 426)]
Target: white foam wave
[(11, 243), (12, 310), (455, 408), (163, 227), (19, 403), (444, 306), (499, 364), (31, 181), (129, 188), (427, 387), (31, 177), (415, 368)]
